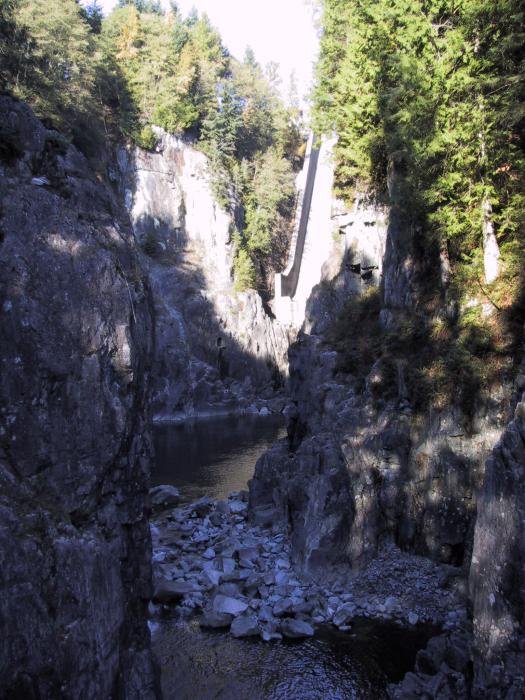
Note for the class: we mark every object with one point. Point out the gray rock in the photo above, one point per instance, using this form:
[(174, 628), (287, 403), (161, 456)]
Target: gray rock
[(296, 629), (75, 351), (213, 576), (271, 635), (230, 588), (164, 497), (216, 519), (238, 507), (282, 607), (281, 578), (344, 614), (391, 604), (228, 565), (265, 516), (245, 626), (202, 507), (226, 604), (248, 554), (222, 507)]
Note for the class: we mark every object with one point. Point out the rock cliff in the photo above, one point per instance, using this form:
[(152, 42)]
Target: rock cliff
[(217, 350), (364, 469), (497, 572), (76, 335)]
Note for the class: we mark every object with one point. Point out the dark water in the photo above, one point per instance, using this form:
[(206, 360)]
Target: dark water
[(332, 666), (212, 457)]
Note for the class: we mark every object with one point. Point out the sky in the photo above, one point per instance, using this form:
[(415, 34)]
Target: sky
[(277, 30)]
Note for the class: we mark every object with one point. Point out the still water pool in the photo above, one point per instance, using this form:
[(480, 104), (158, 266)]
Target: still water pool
[(214, 458)]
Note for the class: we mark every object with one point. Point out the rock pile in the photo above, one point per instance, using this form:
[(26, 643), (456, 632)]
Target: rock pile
[(209, 560)]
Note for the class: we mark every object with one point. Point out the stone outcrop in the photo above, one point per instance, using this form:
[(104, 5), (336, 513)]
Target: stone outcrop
[(209, 559), (75, 336), (217, 350), (358, 473), (365, 476), (497, 572)]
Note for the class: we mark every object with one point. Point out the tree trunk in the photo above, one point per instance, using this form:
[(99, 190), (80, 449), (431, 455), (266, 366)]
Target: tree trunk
[(490, 243)]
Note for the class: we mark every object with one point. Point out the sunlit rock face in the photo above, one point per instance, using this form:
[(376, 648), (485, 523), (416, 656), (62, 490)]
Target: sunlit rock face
[(75, 335), (497, 574), (216, 349), (170, 200)]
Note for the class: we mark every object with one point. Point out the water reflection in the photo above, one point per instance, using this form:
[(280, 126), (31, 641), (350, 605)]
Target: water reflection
[(215, 457), (332, 666), (212, 457)]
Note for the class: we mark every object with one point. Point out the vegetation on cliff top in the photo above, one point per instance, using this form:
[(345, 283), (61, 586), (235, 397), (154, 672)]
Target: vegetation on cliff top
[(428, 102), (100, 79)]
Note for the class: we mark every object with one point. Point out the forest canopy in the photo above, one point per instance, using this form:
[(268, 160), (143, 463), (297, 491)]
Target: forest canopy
[(431, 96), (100, 80)]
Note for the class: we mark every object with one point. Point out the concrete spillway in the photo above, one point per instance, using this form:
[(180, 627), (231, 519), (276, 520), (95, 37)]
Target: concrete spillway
[(312, 237)]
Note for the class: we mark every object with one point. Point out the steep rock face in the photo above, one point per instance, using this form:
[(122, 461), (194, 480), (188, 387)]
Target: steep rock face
[(75, 333), (497, 573), (216, 349), (355, 263), (395, 478), (403, 478)]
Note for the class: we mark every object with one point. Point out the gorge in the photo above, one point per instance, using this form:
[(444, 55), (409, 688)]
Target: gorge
[(191, 252)]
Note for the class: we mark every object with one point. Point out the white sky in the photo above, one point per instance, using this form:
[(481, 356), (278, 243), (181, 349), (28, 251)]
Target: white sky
[(277, 30)]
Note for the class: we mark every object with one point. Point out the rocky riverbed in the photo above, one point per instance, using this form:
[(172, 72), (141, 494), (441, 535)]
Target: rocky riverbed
[(212, 563)]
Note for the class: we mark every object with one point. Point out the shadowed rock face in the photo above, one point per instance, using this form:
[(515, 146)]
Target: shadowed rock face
[(75, 334), (497, 574)]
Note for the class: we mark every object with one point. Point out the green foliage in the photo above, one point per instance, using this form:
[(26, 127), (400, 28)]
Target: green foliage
[(429, 97), (57, 62), (93, 15), (150, 245), (269, 205), (152, 6), (443, 363), (146, 138), (12, 39), (244, 271), (101, 78)]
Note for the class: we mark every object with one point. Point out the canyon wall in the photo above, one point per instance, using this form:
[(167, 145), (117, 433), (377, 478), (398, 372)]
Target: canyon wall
[(392, 475), (217, 349), (75, 340), (364, 468), (497, 572)]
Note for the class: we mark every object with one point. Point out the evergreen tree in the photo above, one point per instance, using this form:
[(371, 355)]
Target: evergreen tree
[(432, 91), (151, 6), (94, 16)]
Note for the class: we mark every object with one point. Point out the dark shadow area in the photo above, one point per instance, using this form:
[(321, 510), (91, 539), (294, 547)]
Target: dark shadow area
[(333, 664)]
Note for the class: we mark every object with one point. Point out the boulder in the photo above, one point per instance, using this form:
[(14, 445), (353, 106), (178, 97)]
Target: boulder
[(296, 629), (164, 497), (173, 591), (245, 626), (202, 507), (282, 607), (226, 604), (344, 614), (215, 620)]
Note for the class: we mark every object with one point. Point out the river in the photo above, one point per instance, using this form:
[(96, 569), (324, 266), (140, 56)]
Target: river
[(214, 458)]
